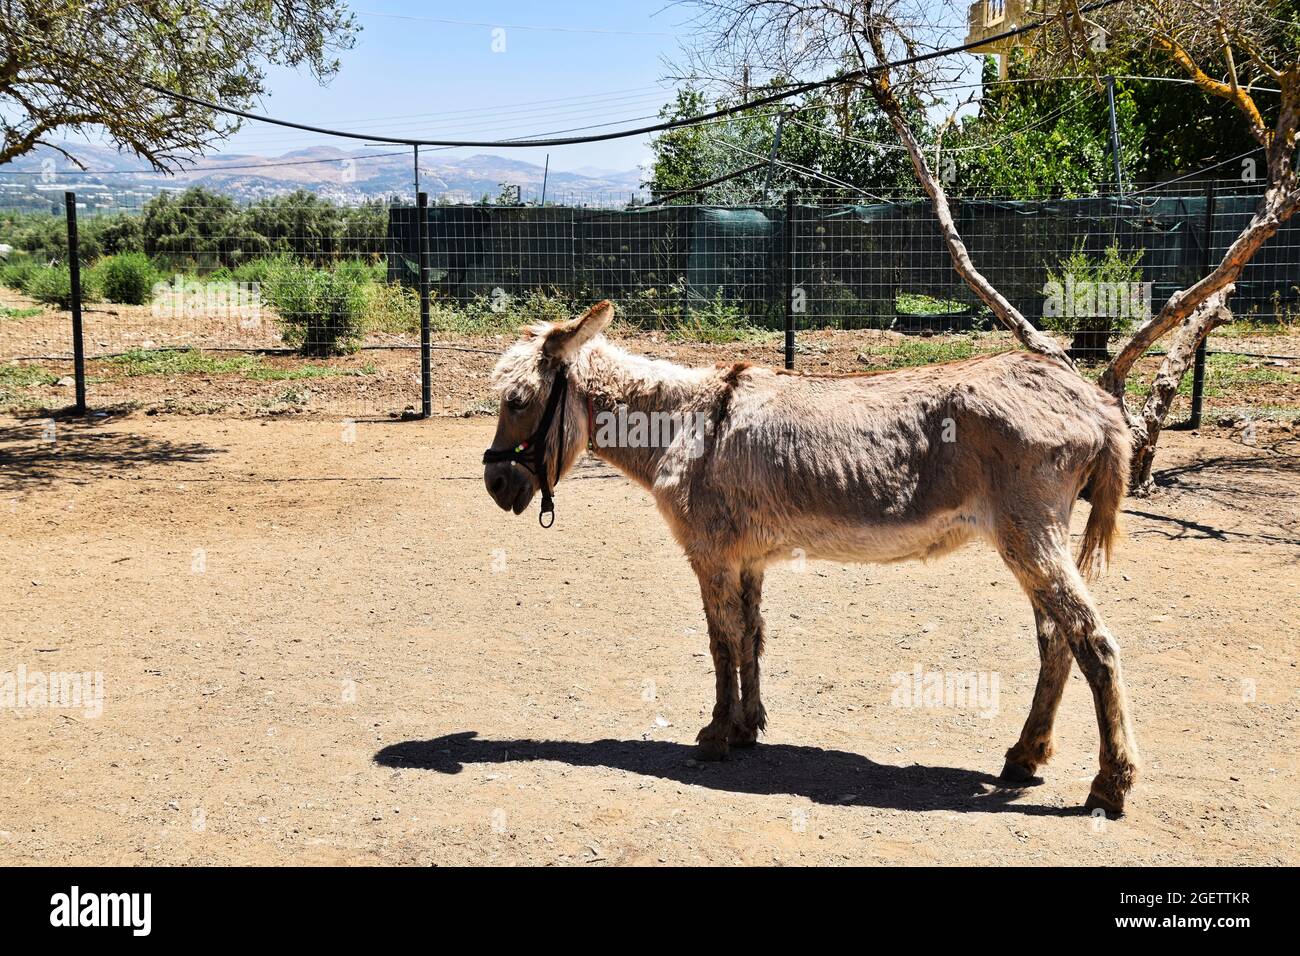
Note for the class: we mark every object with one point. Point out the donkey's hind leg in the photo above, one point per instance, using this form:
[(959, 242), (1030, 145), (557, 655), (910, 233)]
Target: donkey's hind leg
[(753, 716), (1038, 553), (724, 610), (1034, 747)]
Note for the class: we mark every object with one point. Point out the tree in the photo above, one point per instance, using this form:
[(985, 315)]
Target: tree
[(1226, 48), (1035, 139), (1030, 139), (827, 141), (76, 65), (690, 155)]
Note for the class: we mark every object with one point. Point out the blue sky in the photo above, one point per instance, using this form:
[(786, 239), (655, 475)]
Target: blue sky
[(473, 70)]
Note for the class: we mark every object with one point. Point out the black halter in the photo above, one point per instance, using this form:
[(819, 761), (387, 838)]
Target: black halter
[(531, 452)]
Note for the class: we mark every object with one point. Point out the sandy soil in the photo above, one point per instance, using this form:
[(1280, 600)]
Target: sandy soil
[(323, 643)]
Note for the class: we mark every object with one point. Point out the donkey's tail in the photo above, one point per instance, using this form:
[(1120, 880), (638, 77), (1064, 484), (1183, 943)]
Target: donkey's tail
[(1106, 486)]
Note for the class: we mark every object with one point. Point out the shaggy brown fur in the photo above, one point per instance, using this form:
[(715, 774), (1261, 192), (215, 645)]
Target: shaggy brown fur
[(888, 467)]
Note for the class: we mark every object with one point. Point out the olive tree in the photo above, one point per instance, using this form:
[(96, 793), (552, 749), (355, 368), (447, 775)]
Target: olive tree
[(72, 66), (1228, 48)]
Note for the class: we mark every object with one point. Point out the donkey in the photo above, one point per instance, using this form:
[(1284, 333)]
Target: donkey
[(876, 467)]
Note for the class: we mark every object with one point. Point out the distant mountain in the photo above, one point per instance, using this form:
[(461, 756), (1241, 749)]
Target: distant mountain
[(349, 176)]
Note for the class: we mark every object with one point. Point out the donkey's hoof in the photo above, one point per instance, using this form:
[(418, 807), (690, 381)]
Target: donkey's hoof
[(1114, 809), (710, 744), (1017, 773), (743, 736)]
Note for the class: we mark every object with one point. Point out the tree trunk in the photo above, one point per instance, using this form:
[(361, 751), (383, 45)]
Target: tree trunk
[(1182, 352), (1197, 308), (1275, 207), (1006, 313)]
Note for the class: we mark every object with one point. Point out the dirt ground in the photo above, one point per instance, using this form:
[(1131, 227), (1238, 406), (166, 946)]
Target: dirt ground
[(322, 643)]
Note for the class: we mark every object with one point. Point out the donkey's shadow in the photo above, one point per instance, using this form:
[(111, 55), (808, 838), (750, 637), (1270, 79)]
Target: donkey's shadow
[(823, 776)]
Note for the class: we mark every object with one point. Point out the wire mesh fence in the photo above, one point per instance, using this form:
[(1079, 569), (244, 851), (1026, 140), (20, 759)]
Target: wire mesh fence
[(854, 265), (195, 301)]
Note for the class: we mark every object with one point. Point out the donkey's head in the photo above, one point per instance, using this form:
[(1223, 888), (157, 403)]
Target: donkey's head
[(541, 423)]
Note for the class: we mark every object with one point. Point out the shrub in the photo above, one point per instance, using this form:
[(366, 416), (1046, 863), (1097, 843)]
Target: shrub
[(53, 286), (1093, 298), (127, 278), (258, 268), (715, 320), (18, 273), (499, 313), (650, 307), (392, 308), (321, 312)]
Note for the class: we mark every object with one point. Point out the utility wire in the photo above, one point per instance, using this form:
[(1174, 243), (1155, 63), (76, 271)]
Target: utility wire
[(851, 76), (1118, 76), (955, 149), (515, 26), (204, 170), (795, 167), (1179, 179)]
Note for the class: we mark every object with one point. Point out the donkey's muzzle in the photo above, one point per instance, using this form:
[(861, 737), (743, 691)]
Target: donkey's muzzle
[(511, 487)]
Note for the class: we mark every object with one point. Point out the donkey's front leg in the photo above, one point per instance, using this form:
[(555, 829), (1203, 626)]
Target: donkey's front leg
[(753, 716), (723, 609)]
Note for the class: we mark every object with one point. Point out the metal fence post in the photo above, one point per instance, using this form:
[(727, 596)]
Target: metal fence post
[(421, 232), (1198, 370), (788, 268), (74, 275)]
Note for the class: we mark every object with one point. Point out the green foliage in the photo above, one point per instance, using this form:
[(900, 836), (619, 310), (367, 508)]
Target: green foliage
[(53, 286), (205, 231), (269, 374), (322, 312), (257, 270), (17, 273), (1085, 280), (84, 71), (392, 308), (16, 376), (136, 362), (1226, 375), (715, 320), (45, 236), (126, 278), (916, 303), (829, 134), (1033, 139), (114, 234), (911, 351), (652, 307), (488, 315)]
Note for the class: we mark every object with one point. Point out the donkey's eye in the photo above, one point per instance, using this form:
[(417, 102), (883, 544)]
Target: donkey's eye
[(516, 403)]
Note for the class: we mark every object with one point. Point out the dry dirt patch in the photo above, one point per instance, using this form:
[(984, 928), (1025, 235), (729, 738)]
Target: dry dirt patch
[(330, 647)]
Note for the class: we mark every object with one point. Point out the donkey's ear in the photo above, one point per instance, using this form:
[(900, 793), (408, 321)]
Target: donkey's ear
[(565, 338)]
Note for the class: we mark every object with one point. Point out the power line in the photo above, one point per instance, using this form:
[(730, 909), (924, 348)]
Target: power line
[(851, 76), (1206, 169), (489, 119), (795, 167), (955, 149), (1118, 76), (204, 170), (516, 26), (516, 105)]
